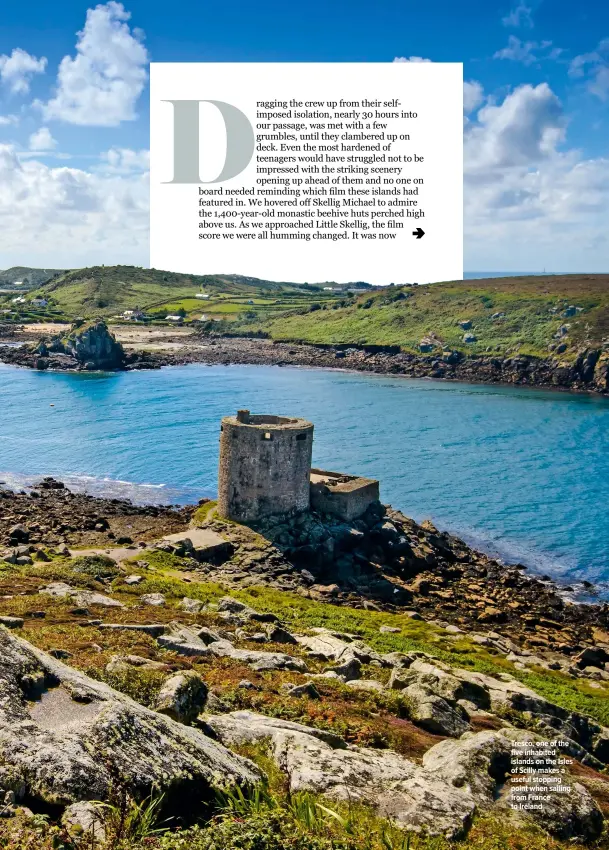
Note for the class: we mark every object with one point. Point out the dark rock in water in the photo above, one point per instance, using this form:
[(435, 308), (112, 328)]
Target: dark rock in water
[(86, 346), (93, 345), (50, 483)]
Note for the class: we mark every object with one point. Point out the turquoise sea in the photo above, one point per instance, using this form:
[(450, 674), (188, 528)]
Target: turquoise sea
[(522, 473)]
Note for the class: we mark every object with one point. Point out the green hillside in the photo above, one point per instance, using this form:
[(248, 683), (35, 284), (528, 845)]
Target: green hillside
[(506, 314), (109, 290), (25, 277)]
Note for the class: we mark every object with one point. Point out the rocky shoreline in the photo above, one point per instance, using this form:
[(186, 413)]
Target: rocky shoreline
[(589, 372), (380, 661), (384, 561)]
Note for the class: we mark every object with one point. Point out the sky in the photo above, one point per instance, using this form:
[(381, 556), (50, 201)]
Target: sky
[(74, 132)]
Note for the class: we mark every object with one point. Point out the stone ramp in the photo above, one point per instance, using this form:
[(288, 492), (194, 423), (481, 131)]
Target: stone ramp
[(208, 545)]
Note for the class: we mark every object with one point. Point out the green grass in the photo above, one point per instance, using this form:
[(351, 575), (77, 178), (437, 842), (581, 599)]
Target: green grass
[(270, 818), (109, 290), (404, 315), (300, 613)]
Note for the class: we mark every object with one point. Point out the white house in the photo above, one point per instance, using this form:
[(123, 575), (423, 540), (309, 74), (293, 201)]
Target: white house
[(173, 318), (18, 300), (201, 295), (133, 315)]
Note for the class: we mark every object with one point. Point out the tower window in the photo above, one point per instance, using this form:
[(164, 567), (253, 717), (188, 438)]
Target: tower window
[(301, 437), (267, 435)]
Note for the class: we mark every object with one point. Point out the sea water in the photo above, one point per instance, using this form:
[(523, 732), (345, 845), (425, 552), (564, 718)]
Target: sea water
[(522, 473)]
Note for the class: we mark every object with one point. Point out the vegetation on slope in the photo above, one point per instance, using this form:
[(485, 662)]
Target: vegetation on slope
[(271, 818), (110, 290), (27, 278), (507, 315)]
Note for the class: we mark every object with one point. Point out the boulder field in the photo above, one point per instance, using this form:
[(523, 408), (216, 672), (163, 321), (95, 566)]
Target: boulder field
[(385, 664)]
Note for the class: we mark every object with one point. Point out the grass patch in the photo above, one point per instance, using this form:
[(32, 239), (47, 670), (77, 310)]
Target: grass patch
[(519, 314), (202, 513)]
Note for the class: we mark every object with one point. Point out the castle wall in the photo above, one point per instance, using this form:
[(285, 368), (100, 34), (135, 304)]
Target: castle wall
[(265, 464), (343, 496)]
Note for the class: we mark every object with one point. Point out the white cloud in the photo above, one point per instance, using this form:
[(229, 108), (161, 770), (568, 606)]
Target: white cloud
[(473, 96), (529, 204), (64, 217), (522, 131), (17, 69), (410, 59), (595, 67), (7, 120), (527, 52), (125, 160), (42, 140), (101, 84), (519, 16)]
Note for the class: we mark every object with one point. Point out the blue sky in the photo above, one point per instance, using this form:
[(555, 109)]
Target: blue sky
[(74, 114)]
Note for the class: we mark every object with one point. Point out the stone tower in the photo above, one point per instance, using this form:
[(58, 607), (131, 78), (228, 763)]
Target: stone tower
[(265, 466)]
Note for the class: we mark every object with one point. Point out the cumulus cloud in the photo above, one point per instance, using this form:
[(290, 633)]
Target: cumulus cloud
[(521, 131), (125, 160), (68, 216), (42, 140), (525, 196), (410, 59), (595, 67), (473, 95), (527, 52), (101, 84), (519, 16), (17, 70), (7, 120)]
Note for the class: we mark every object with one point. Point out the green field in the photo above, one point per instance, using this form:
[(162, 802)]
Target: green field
[(507, 315), (108, 291), (520, 314)]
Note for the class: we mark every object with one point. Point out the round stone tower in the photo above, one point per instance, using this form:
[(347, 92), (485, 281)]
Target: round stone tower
[(265, 466)]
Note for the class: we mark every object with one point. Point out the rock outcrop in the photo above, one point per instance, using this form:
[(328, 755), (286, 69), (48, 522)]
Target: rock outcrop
[(87, 346), (457, 778), (182, 696), (322, 763), (186, 641), (481, 765), (65, 738), (93, 346)]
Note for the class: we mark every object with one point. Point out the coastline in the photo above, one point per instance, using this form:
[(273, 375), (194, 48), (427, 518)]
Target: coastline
[(435, 573), (153, 348)]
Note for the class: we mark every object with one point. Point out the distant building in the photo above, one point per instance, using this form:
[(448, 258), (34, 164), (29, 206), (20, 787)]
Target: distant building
[(19, 300), (133, 315), (201, 295), (173, 318), (40, 302)]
